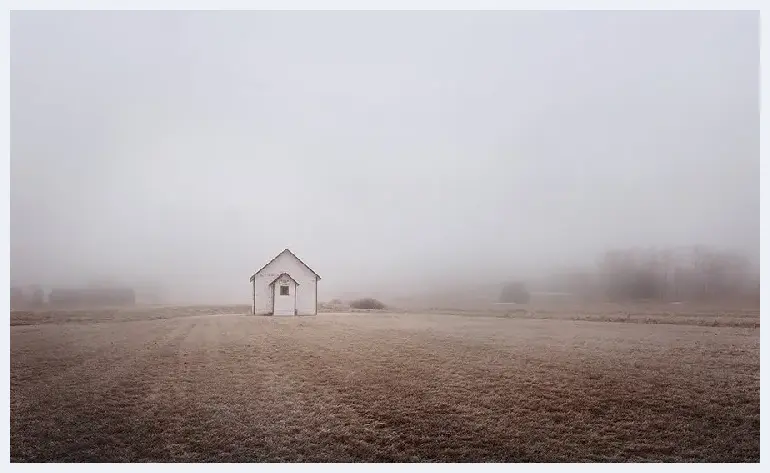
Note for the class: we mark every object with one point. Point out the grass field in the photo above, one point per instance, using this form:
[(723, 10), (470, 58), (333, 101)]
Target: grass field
[(191, 385)]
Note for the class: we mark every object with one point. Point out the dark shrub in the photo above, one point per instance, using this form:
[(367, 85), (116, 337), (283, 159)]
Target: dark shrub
[(367, 303), (516, 293)]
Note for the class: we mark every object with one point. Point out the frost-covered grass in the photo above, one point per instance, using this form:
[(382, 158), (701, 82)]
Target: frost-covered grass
[(380, 387)]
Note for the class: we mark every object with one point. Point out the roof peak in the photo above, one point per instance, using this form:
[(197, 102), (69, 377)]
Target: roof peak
[(285, 250)]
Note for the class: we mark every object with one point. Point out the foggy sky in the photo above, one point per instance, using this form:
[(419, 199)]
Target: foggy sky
[(191, 147)]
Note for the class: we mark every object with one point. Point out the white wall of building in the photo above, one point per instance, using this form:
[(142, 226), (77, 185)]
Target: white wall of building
[(306, 290)]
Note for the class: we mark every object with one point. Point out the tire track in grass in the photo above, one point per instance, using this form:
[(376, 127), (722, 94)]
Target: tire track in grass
[(254, 389), (142, 400), (243, 409), (521, 410), (407, 418), (81, 414), (97, 358), (311, 383), (315, 425), (376, 393), (461, 400), (242, 401), (193, 411), (187, 395)]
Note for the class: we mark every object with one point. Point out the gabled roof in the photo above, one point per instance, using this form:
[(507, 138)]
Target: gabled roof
[(276, 257), (282, 275)]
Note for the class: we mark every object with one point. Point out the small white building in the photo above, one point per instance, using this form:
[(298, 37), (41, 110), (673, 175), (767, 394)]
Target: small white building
[(284, 286)]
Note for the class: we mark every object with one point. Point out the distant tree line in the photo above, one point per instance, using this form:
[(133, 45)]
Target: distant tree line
[(92, 297), (27, 297), (691, 274), (515, 293), (34, 297), (695, 274)]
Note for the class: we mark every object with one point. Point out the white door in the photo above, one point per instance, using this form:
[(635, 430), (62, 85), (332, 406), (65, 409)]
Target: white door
[(284, 298)]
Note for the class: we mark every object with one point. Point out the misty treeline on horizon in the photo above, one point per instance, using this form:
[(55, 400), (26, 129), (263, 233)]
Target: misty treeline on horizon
[(394, 152)]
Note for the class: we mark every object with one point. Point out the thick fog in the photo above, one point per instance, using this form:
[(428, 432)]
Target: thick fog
[(386, 149)]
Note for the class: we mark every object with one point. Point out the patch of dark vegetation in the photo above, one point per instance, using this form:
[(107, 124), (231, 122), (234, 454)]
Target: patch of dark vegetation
[(367, 304)]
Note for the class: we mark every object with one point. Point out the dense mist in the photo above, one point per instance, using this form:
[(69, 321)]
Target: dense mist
[(391, 151)]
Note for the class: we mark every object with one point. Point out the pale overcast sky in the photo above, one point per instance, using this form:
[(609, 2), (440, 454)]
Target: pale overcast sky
[(191, 147)]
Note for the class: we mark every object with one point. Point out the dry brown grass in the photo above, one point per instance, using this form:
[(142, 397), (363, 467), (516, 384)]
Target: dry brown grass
[(132, 314), (382, 387), (672, 314)]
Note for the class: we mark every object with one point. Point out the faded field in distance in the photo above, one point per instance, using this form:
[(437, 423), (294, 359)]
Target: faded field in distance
[(186, 384)]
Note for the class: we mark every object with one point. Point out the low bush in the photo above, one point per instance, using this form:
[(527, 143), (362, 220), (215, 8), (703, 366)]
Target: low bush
[(367, 303)]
